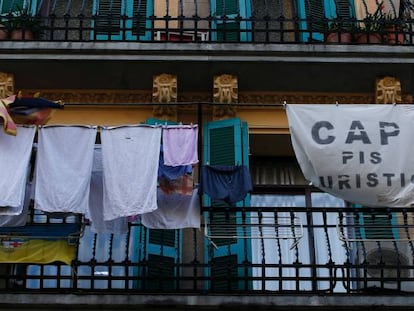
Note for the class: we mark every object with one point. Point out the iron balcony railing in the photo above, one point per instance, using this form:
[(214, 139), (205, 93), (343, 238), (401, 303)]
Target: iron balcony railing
[(241, 21), (254, 250)]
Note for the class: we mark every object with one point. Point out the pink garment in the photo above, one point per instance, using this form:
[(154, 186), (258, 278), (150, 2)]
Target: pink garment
[(180, 145)]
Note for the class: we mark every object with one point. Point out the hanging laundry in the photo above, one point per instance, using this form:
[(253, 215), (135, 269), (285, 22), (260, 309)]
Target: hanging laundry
[(95, 211), (32, 109), (182, 185), (16, 217), (228, 183), (172, 172), (130, 156), (63, 168), (180, 145), (15, 152), (175, 211), (17, 250), (9, 126)]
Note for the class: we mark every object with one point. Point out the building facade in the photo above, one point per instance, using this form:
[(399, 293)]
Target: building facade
[(229, 67)]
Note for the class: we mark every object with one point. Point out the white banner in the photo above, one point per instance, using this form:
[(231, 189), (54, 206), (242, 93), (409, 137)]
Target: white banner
[(361, 153)]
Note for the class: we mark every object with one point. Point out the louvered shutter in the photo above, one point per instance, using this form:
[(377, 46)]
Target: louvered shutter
[(313, 15), (12, 6), (162, 250), (375, 225), (230, 30), (109, 23), (226, 143)]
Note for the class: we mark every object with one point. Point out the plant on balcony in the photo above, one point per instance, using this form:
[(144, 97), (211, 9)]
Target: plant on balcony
[(23, 25), (394, 29), (4, 31), (338, 31), (371, 28)]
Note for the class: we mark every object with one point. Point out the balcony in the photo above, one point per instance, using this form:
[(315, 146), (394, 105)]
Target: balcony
[(318, 250), (258, 22)]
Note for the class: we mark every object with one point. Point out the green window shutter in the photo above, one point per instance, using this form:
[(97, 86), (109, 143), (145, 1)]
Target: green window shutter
[(109, 24), (229, 30), (163, 251), (375, 225), (226, 143), (320, 11), (8, 6)]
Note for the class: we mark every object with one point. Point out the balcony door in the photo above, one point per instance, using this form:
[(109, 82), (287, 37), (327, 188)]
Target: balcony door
[(7, 6), (225, 25), (313, 15), (121, 20)]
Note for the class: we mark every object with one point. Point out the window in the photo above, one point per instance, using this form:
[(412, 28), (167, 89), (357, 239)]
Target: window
[(313, 16), (226, 143), (122, 20), (226, 27)]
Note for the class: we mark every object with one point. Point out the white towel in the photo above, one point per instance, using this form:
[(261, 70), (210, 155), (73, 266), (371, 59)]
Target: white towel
[(95, 212), (63, 168), (175, 211), (15, 152), (7, 220), (130, 156), (180, 145)]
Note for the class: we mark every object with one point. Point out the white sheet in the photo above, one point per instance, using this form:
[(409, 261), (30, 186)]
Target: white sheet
[(130, 157), (63, 168)]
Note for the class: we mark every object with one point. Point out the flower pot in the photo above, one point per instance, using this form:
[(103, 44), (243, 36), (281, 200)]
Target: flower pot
[(339, 37), (4, 34), (369, 38), (394, 36), (21, 34)]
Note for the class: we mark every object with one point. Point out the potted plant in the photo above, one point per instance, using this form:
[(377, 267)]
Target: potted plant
[(23, 25), (394, 29), (338, 32), (371, 28)]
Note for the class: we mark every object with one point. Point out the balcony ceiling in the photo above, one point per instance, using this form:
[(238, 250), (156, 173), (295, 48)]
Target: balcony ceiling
[(69, 65)]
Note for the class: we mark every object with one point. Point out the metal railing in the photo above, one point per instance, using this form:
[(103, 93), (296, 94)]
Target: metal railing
[(276, 250), (248, 22)]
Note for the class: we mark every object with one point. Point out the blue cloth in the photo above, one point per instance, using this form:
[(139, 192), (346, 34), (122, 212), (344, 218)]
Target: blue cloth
[(228, 183), (172, 172)]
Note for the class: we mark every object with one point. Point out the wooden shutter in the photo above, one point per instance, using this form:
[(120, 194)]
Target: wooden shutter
[(109, 24), (8, 6), (375, 225), (226, 143), (162, 250), (162, 254), (320, 11), (229, 30)]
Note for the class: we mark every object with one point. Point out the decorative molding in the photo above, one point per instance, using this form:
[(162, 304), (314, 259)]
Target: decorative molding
[(164, 90), (225, 95), (119, 97), (6, 84), (388, 91)]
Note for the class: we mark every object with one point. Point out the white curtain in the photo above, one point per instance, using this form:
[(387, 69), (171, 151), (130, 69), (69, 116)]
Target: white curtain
[(279, 251)]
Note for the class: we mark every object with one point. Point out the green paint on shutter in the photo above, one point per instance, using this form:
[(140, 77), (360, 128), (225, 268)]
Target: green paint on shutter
[(375, 225), (226, 143), (320, 11), (162, 249), (227, 29), (223, 272), (316, 10), (227, 7), (110, 25)]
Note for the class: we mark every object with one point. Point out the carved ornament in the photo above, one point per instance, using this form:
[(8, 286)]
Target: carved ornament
[(225, 94), (388, 91), (164, 91), (6, 84)]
